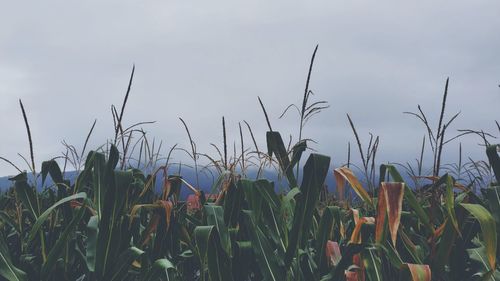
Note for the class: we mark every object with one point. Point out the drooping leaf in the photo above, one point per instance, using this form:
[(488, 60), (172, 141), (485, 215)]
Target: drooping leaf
[(276, 146), (297, 151), (419, 272), (409, 196), (356, 233), (26, 194), (488, 229), (332, 253), (338, 272), (348, 175), (215, 217), (162, 269), (45, 215), (479, 258), (51, 167), (394, 197)]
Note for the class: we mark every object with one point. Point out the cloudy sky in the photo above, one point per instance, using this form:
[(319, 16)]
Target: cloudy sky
[(200, 60)]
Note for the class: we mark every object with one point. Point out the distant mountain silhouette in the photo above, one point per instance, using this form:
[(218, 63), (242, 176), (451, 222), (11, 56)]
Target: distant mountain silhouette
[(206, 181)]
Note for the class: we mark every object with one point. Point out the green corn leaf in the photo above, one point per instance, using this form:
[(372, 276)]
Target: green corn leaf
[(51, 167), (116, 186), (242, 261), (212, 256), (446, 242), (269, 263), (288, 206), (323, 235), (372, 264), (276, 226), (45, 215), (62, 241), (92, 231), (233, 202), (98, 180), (7, 268), (297, 151), (492, 193), (494, 159), (315, 171), (122, 264), (253, 198), (26, 194), (8, 220), (479, 258), (450, 202), (162, 269), (215, 217), (276, 146), (488, 229)]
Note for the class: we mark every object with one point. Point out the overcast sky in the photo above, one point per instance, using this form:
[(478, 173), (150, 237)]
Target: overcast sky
[(70, 60)]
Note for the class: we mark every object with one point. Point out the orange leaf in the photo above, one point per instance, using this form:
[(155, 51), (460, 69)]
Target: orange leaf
[(419, 272), (381, 214), (357, 261), (152, 226), (167, 207), (339, 179), (355, 214), (356, 233), (347, 174), (332, 252), (394, 199), (351, 275)]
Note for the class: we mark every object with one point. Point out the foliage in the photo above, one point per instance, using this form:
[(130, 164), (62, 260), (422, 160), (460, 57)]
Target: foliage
[(109, 224)]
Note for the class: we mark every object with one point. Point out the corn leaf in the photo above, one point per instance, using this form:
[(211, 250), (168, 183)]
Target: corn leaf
[(315, 171), (394, 197), (372, 264), (269, 263), (276, 146), (162, 269), (122, 264), (45, 215), (215, 217), (7, 268), (408, 195), (324, 234), (488, 229), (61, 242), (348, 175), (494, 159), (419, 272)]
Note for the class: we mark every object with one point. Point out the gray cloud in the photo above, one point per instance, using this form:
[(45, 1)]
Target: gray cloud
[(69, 62)]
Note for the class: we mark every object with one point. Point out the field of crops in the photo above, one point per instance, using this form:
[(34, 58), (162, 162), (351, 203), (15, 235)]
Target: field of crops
[(110, 224)]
